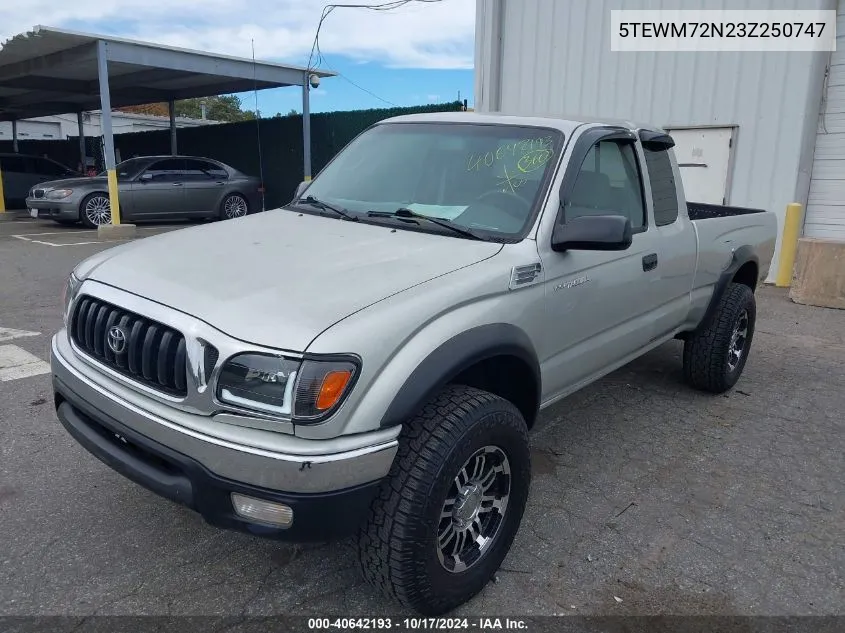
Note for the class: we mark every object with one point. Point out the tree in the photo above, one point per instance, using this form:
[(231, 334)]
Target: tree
[(227, 108)]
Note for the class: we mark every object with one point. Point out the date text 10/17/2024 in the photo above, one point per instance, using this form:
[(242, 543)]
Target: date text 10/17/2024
[(416, 624)]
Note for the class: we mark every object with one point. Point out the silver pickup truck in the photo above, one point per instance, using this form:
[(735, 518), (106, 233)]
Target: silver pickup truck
[(369, 359)]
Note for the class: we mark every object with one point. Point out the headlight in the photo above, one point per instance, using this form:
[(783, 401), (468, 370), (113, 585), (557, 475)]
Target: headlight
[(306, 391), (58, 194), (68, 294), (258, 381)]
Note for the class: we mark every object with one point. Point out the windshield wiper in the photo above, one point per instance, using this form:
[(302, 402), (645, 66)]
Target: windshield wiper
[(314, 202), (404, 213)]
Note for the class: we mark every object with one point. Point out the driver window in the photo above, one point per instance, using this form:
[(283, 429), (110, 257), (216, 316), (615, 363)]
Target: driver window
[(171, 170), (608, 184)]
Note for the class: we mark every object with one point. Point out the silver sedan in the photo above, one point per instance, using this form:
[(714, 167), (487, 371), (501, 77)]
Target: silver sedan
[(151, 188)]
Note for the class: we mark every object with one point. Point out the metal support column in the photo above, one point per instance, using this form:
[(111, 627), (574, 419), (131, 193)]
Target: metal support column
[(171, 110), (306, 128), (82, 153), (108, 138), (14, 136)]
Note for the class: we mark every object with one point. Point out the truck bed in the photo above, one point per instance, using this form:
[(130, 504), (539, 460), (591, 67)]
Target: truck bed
[(704, 211), (721, 230)]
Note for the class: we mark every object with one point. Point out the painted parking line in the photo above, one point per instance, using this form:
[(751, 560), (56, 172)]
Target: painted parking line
[(52, 233), (16, 363), (27, 239), (9, 334)]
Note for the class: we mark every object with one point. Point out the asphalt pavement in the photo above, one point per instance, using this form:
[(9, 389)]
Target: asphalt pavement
[(648, 498)]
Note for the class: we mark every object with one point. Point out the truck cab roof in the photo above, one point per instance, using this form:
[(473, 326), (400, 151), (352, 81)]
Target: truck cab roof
[(565, 124)]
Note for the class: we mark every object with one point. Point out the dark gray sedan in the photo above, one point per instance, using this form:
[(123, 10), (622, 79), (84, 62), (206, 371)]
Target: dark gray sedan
[(151, 188)]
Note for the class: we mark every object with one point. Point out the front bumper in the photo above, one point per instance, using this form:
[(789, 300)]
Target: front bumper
[(67, 209), (330, 494)]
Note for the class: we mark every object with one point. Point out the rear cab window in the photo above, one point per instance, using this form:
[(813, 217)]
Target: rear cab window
[(664, 195)]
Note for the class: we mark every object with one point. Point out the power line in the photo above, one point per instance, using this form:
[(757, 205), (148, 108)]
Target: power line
[(315, 47), (385, 6), (369, 92)]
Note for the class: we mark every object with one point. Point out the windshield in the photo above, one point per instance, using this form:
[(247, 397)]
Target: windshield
[(485, 178), (129, 168)]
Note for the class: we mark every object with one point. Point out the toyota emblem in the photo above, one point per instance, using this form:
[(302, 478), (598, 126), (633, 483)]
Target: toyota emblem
[(117, 339)]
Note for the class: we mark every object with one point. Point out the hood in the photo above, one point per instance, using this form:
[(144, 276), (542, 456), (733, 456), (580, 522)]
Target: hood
[(70, 183), (280, 278)]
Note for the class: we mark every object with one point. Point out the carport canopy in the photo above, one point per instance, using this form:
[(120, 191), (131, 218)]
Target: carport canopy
[(52, 71)]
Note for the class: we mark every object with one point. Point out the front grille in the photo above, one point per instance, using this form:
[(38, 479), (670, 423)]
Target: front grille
[(147, 351), (211, 357), (37, 193)]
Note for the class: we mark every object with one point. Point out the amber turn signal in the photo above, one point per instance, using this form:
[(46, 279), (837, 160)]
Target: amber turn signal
[(332, 388)]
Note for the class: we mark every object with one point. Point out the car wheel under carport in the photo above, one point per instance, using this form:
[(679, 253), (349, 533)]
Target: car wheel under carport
[(95, 210), (233, 206)]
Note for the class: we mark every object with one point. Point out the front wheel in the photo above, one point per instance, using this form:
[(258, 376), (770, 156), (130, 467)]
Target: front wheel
[(95, 210), (447, 513), (233, 206)]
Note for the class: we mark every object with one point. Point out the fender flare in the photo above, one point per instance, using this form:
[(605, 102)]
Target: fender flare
[(454, 356), (741, 256)]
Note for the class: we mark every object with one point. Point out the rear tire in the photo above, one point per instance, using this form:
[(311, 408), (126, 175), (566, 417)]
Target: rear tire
[(458, 485), (715, 355), (233, 206), (95, 210)]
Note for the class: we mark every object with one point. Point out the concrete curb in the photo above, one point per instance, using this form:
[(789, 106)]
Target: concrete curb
[(116, 232)]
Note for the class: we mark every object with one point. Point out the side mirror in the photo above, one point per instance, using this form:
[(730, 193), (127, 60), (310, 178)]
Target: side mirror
[(145, 177), (593, 233), (300, 189)]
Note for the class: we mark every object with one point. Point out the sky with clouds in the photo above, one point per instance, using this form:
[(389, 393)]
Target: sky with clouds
[(419, 53)]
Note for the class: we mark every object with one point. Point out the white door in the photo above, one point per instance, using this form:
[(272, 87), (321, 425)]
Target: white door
[(703, 158), (825, 215)]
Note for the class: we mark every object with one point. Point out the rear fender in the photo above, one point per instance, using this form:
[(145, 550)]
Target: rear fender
[(741, 256)]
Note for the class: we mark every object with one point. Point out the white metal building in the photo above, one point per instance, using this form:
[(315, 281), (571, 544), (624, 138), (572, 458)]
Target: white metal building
[(758, 129), (62, 126)]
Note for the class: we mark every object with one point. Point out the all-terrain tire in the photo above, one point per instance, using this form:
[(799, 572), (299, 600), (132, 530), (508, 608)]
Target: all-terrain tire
[(708, 361), (398, 546)]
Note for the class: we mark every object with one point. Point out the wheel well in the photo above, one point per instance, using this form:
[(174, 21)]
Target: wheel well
[(92, 194), (508, 377), (747, 275)]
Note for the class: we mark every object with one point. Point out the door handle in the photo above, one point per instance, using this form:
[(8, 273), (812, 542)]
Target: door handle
[(177, 184), (649, 261)]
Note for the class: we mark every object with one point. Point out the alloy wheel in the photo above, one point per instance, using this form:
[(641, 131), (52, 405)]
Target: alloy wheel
[(474, 509), (739, 337), (234, 207), (98, 210)]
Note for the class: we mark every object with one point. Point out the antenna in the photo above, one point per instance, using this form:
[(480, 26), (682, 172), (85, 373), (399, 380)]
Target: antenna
[(258, 127)]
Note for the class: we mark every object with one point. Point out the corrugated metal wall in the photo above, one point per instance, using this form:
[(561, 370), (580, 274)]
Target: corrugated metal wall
[(555, 59), (825, 215)]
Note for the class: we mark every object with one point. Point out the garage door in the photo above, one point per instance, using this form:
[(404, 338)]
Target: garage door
[(826, 204)]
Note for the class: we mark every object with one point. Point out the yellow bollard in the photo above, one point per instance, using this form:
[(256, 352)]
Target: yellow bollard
[(789, 244), (2, 195), (114, 201)]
